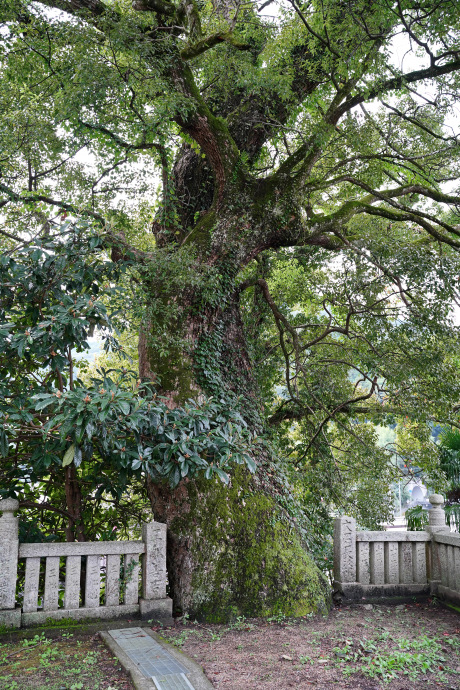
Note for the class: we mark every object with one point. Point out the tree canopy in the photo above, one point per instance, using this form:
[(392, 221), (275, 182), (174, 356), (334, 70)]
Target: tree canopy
[(269, 200)]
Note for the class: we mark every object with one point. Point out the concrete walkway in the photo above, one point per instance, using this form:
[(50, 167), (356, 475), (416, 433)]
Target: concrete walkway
[(152, 662)]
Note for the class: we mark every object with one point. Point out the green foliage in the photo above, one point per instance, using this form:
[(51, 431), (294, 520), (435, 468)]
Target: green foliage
[(417, 519), (350, 351), (452, 511), (414, 659), (53, 294), (165, 443), (450, 455)]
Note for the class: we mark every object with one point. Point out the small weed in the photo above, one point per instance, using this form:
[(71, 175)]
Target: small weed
[(383, 637), (48, 656), (34, 641), (278, 618), (157, 623), (412, 658), (181, 639), (241, 624), (305, 659), (91, 658)]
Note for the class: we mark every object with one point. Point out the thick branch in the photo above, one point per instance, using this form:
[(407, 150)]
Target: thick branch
[(94, 7), (45, 506), (288, 412), (207, 43), (158, 6), (397, 83), (141, 146), (209, 132)]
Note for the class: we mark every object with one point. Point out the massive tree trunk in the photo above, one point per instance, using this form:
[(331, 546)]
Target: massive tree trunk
[(232, 550)]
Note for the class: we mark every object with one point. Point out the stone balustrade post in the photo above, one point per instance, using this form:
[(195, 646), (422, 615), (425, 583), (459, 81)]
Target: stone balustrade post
[(9, 550), (345, 550), (437, 516), (154, 603), (436, 523)]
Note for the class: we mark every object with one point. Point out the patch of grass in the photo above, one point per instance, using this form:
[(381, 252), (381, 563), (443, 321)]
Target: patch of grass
[(63, 663), (412, 658), (180, 639)]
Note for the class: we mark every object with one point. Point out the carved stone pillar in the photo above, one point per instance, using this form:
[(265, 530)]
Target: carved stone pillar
[(9, 549)]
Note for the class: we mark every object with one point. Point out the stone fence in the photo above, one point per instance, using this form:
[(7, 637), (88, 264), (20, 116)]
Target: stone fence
[(59, 584), (390, 564)]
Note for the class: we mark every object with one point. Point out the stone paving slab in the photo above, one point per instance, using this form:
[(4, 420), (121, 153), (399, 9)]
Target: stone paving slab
[(152, 662), (173, 683)]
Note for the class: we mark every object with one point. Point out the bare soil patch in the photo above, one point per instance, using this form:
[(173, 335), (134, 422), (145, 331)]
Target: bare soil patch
[(406, 647)]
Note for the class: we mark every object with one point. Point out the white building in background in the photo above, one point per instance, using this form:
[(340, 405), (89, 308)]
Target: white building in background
[(418, 492)]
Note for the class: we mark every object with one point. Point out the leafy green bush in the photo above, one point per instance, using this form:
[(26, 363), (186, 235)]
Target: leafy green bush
[(450, 455), (53, 293), (452, 511), (417, 519)]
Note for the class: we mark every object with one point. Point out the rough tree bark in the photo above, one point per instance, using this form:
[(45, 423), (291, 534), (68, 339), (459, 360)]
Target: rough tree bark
[(231, 550)]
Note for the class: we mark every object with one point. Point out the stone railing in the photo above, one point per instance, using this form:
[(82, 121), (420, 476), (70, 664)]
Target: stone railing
[(59, 584), (445, 554), (391, 564)]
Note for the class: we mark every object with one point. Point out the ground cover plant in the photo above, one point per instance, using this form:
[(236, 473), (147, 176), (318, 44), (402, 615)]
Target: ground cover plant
[(67, 661)]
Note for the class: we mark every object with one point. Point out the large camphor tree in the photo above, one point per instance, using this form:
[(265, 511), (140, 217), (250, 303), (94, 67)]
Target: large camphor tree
[(269, 194)]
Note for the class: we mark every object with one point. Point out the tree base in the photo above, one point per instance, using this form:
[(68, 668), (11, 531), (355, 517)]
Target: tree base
[(232, 552)]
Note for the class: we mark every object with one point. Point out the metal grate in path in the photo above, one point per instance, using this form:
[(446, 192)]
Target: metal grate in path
[(152, 660)]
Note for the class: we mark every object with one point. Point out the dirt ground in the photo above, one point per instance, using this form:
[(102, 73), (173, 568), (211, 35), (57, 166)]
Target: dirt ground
[(406, 647)]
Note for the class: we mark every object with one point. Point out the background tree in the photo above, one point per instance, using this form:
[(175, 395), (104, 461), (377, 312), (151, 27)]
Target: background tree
[(301, 258), (450, 462)]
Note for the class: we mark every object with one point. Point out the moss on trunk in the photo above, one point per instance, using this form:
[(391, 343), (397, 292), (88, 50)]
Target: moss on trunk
[(232, 551)]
